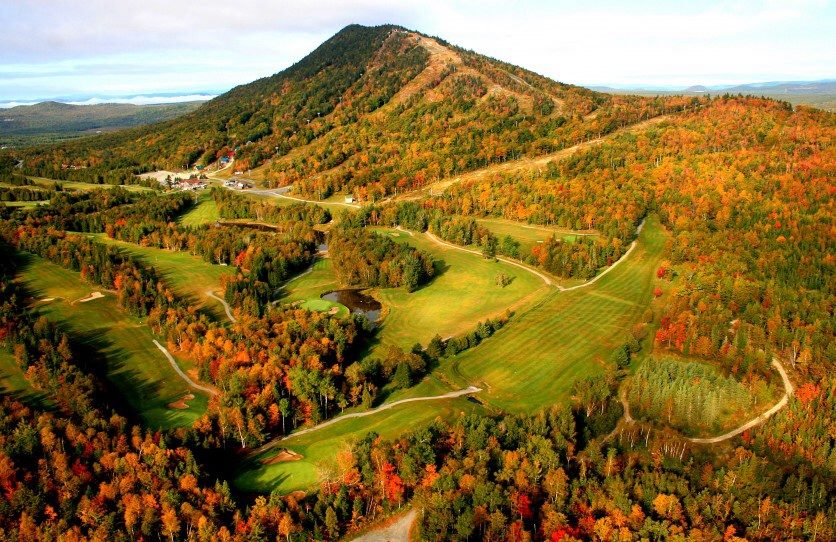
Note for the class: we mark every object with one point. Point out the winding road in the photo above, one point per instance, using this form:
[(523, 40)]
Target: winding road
[(545, 278), (223, 302), (180, 372), (386, 406), (788, 391)]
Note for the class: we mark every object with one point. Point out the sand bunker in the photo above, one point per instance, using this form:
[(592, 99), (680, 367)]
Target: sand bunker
[(283, 456), (91, 297), (181, 404)]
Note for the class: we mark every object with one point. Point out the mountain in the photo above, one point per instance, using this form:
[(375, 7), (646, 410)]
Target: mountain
[(348, 115), (821, 94), (50, 121)]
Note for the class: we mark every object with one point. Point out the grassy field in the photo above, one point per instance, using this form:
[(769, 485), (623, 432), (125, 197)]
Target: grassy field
[(463, 293), (138, 370), (24, 204), (565, 336), (204, 212), (190, 276), (557, 338), (528, 235), (319, 448), (71, 185)]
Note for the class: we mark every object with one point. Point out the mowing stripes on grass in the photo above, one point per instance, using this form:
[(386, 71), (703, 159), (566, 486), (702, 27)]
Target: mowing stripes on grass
[(534, 361)]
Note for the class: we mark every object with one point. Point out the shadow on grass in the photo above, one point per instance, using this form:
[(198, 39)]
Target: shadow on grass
[(439, 268), (119, 385)]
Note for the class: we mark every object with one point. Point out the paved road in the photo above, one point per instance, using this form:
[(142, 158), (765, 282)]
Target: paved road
[(180, 372), (386, 406), (227, 308)]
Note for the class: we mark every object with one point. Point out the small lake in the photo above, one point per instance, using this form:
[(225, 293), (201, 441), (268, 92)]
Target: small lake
[(357, 302)]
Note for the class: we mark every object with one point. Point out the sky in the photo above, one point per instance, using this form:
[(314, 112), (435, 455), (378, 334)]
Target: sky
[(142, 50)]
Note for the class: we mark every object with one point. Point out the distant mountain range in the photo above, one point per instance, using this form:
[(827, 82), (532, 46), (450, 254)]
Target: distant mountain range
[(54, 121), (816, 93)]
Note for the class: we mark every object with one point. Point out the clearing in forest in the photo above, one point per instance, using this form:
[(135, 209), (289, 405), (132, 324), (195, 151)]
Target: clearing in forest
[(463, 293), (319, 448), (137, 369), (190, 276), (204, 211), (567, 335)]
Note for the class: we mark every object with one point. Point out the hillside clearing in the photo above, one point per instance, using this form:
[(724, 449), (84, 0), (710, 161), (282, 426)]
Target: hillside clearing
[(563, 337), (190, 276), (139, 372)]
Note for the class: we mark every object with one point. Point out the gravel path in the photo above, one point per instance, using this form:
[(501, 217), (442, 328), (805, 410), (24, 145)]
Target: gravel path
[(227, 308), (180, 372), (386, 406), (788, 391), (396, 532)]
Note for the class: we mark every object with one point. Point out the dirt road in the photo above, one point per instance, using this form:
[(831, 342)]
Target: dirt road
[(396, 532), (788, 391)]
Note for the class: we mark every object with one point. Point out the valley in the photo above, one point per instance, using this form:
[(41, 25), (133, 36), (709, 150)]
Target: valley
[(415, 291)]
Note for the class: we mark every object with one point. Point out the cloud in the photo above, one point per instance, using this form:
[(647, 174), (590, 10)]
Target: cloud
[(62, 47)]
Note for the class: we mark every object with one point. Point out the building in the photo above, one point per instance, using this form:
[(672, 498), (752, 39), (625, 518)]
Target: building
[(349, 199), (192, 184)]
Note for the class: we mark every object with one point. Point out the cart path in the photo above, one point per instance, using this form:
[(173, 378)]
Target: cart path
[(223, 302), (546, 279), (386, 406), (396, 532), (438, 241), (788, 391), (180, 372)]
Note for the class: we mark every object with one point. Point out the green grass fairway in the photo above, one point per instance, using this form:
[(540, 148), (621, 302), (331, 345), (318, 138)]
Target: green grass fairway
[(461, 295), (13, 382), (190, 276), (528, 235), (203, 212), (320, 448), (24, 204), (139, 371), (534, 361), (72, 185)]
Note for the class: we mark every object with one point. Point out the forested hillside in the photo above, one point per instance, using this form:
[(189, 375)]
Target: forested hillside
[(55, 121), (372, 111), (711, 230)]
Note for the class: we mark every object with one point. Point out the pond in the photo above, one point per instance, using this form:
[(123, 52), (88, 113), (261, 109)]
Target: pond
[(357, 302)]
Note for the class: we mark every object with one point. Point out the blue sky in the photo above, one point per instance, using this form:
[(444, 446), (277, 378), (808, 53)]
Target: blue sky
[(95, 48)]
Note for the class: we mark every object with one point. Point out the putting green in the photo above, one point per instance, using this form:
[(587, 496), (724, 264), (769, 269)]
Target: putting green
[(138, 370), (565, 336)]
